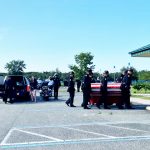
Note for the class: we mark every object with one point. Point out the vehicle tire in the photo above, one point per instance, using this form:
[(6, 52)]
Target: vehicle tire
[(28, 97)]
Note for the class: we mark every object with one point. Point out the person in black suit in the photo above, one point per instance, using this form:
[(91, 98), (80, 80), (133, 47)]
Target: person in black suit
[(56, 85), (125, 87), (71, 90), (86, 88), (104, 91), (9, 90)]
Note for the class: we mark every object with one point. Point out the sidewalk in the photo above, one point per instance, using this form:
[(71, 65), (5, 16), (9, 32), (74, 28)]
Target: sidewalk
[(141, 101)]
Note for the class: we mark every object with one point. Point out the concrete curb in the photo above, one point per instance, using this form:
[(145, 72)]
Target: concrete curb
[(141, 101), (148, 108)]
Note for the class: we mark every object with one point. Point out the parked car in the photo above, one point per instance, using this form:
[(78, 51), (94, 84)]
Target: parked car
[(22, 86)]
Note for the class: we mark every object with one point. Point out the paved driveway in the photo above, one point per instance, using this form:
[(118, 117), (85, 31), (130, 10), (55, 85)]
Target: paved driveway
[(53, 125)]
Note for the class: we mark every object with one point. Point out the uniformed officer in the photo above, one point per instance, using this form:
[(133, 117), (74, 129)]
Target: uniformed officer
[(9, 90), (86, 88), (120, 80), (56, 85), (104, 90), (125, 87), (71, 90)]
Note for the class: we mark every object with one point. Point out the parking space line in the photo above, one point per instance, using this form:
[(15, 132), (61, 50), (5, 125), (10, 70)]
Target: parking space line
[(79, 124), (113, 126), (7, 137), (40, 135), (78, 141), (89, 132), (56, 125)]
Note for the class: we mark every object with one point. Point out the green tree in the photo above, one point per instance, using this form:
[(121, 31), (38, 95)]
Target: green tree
[(15, 67), (144, 75), (83, 62)]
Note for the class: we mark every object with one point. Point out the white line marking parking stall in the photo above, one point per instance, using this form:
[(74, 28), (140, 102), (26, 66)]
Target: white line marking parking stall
[(52, 137)]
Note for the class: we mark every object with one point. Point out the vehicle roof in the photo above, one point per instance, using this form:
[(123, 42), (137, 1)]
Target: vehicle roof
[(14, 75)]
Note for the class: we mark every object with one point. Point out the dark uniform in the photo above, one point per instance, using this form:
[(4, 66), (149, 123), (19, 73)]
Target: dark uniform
[(86, 88), (9, 90), (71, 91), (125, 87), (104, 91), (120, 80), (56, 86)]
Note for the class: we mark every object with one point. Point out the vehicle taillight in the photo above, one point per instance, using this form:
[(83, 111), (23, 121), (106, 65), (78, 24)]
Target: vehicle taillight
[(28, 88)]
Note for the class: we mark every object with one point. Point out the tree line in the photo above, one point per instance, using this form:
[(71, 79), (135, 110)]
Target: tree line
[(83, 62)]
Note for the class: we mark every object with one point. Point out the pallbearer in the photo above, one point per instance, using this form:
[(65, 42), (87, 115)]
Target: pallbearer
[(104, 90)]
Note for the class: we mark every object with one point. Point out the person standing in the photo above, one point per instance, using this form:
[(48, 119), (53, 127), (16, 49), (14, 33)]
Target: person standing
[(125, 87), (71, 90), (33, 84), (51, 83), (119, 80), (9, 90), (56, 85), (86, 88), (104, 91)]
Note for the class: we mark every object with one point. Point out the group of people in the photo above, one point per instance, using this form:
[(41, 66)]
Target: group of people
[(125, 81), (10, 88), (53, 83)]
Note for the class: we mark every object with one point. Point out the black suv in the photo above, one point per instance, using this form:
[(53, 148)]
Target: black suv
[(22, 86)]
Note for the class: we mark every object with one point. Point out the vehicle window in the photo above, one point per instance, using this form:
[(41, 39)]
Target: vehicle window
[(17, 80)]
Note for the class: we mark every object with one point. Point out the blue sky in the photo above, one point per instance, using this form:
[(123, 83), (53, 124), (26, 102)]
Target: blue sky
[(46, 34)]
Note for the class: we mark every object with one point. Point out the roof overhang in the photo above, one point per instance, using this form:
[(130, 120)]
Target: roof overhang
[(141, 52)]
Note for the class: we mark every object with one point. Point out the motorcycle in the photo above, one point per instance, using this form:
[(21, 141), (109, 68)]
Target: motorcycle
[(45, 91)]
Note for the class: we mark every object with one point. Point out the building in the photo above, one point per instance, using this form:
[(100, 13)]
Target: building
[(141, 52)]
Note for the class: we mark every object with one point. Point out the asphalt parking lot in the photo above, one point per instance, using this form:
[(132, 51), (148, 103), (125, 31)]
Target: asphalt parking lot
[(53, 125)]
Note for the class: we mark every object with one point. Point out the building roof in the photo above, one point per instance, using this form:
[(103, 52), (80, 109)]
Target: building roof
[(141, 52)]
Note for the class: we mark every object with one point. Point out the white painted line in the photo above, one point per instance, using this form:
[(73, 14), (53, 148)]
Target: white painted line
[(76, 141), (40, 135), (7, 137), (80, 124), (84, 131), (56, 126), (28, 143), (126, 128)]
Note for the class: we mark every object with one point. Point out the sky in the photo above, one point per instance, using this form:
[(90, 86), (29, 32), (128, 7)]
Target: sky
[(47, 34)]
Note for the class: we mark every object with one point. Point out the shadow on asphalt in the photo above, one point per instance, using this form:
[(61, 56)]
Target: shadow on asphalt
[(39, 100)]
